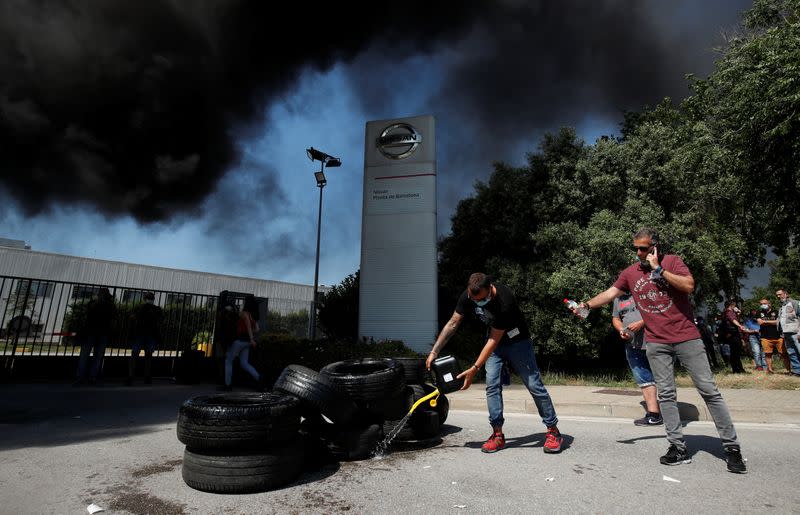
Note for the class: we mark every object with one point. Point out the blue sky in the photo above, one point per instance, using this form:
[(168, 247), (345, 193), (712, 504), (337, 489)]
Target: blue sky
[(492, 99)]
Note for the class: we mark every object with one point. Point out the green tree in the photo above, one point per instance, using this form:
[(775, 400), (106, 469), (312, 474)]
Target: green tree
[(785, 272), (338, 313), (750, 107), (588, 202), (716, 175), (295, 324)]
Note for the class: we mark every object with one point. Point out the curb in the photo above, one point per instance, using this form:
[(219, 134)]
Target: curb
[(747, 407)]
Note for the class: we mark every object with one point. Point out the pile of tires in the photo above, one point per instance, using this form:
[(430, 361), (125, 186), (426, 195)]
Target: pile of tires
[(241, 442), (251, 442)]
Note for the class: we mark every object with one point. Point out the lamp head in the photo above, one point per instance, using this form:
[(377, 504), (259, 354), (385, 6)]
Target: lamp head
[(316, 155), (320, 177), (326, 159)]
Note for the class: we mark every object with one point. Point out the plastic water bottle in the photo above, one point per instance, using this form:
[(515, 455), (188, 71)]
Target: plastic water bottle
[(582, 312)]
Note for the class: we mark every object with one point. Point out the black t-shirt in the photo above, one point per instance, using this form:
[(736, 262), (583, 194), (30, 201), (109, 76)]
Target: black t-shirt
[(100, 315), (769, 331), (502, 312)]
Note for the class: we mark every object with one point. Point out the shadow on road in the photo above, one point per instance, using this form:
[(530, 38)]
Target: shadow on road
[(533, 440), (46, 415)]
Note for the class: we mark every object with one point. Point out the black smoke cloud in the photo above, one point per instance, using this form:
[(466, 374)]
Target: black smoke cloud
[(531, 67), (130, 107)]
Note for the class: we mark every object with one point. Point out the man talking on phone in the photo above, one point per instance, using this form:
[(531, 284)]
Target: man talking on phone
[(660, 285)]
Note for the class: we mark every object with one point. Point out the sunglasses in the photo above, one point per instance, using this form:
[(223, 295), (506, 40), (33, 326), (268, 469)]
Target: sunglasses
[(643, 249)]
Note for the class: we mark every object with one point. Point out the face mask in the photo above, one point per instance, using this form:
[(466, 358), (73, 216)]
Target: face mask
[(764, 307), (481, 303)]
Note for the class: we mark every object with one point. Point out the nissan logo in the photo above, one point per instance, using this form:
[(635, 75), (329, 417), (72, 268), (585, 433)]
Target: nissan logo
[(399, 140)]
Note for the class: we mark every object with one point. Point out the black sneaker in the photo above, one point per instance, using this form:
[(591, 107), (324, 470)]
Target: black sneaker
[(733, 456), (675, 456), (650, 419)]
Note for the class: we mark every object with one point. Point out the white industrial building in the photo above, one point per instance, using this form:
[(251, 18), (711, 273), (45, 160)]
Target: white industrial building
[(54, 280), (21, 262)]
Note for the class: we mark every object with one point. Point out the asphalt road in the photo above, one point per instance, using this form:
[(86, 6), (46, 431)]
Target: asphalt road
[(126, 459)]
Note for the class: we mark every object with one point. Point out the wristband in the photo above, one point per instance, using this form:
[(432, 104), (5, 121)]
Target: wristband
[(477, 368), (659, 269)]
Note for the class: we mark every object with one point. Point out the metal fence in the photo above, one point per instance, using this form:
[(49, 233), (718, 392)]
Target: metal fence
[(44, 318)]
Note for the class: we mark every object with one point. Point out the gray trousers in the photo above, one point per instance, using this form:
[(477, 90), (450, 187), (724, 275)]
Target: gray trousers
[(692, 355)]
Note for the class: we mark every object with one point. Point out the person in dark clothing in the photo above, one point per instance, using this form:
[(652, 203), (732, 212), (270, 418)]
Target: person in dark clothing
[(224, 330), (95, 335), (146, 320), (732, 331), (507, 339), (708, 341)]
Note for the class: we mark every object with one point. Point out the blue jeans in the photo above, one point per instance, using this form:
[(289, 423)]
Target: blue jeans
[(98, 343), (522, 359), (793, 350), (758, 352), (640, 367), (239, 348)]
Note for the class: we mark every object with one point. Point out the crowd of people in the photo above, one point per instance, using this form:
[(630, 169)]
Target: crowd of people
[(237, 332), (761, 335)]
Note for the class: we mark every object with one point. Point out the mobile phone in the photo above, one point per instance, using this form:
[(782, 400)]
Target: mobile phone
[(655, 249)]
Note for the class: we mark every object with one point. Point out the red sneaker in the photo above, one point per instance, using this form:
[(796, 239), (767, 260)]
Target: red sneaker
[(495, 443), (553, 440)]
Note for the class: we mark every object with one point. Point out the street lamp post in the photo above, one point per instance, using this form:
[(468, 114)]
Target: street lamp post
[(324, 159), (321, 182)]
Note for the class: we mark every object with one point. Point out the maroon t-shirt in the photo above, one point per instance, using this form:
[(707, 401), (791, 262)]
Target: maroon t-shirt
[(667, 313)]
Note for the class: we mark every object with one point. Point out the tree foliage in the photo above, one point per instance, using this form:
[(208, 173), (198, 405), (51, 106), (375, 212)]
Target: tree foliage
[(716, 175), (338, 312), (786, 273), (750, 106)]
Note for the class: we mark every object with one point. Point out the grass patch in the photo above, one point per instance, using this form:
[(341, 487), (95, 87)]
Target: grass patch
[(611, 379), (751, 379)]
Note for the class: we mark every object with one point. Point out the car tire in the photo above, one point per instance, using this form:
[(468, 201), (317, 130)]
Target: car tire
[(245, 472), (237, 420), (317, 391)]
